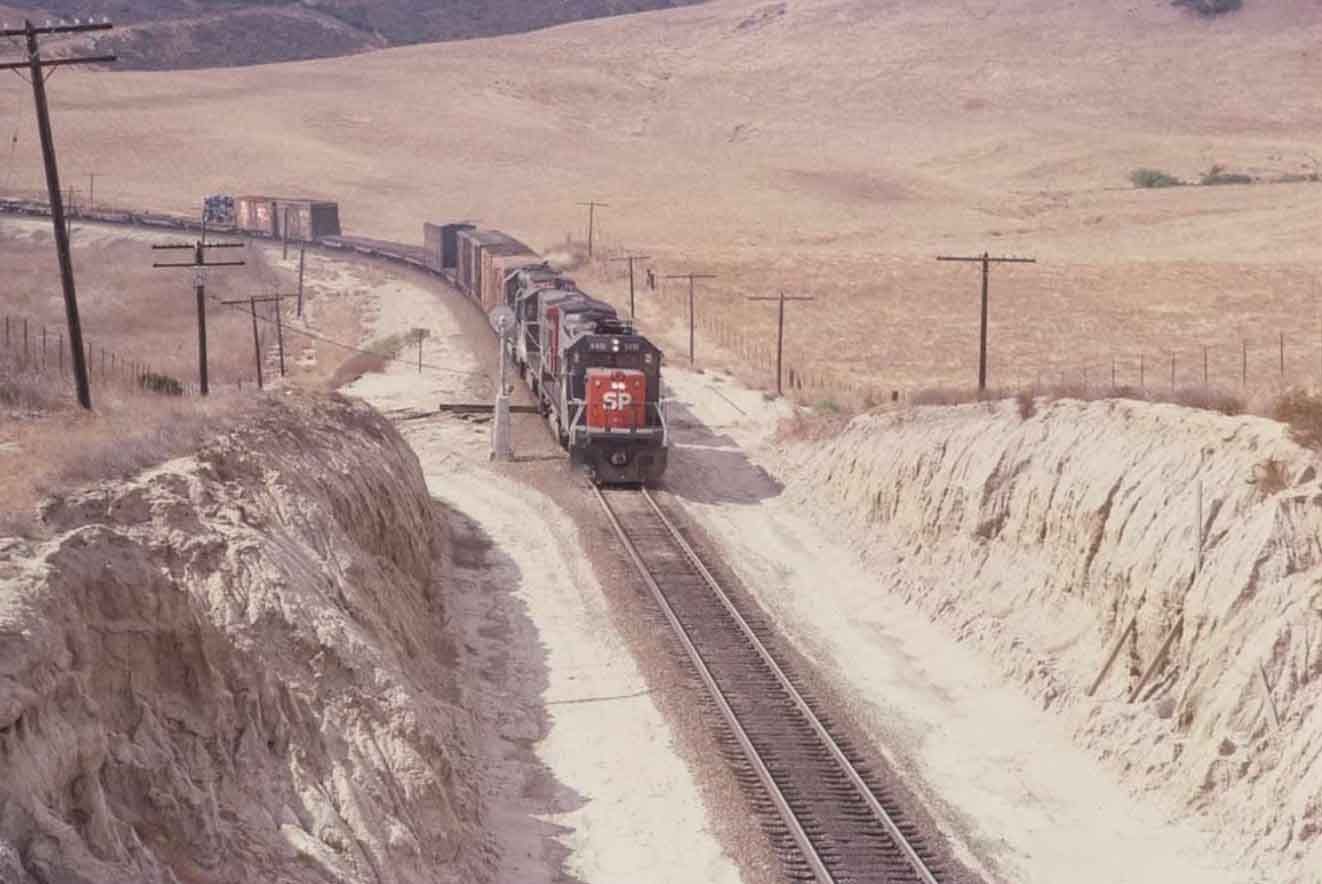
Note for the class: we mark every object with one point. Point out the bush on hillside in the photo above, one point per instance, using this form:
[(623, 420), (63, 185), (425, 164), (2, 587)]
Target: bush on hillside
[(1218, 175), (1302, 412), (1209, 7), (160, 383), (1148, 178)]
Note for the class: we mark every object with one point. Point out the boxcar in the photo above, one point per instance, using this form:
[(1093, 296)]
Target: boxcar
[(441, 242), (278, 217)]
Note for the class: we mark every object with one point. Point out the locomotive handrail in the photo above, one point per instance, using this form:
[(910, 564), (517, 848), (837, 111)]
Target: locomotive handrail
[(665, 426)]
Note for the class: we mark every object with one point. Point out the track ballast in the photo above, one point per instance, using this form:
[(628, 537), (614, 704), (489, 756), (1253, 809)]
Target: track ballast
[(827, 822)]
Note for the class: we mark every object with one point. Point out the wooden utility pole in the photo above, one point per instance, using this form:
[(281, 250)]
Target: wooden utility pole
[(300, 282), (691, 277), (36, 66), (631, 259), (780, 331), (256, 338), (91, 190), (199, 265), (986, 261), (284, 236), (593, 205)]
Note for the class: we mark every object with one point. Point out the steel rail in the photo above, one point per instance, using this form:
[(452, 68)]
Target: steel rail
[(919, 867), (805, 845)]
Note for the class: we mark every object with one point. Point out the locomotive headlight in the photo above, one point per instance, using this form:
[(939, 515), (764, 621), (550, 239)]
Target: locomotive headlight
[(615, 345), (620, 458)]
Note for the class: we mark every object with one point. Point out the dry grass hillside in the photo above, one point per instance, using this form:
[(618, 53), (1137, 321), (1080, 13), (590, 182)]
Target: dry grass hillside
[(831, 147), (175, 34)]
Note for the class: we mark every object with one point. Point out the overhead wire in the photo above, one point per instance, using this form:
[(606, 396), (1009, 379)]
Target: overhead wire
[(349, 347)]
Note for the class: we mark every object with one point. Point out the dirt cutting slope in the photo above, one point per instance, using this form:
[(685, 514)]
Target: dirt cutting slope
[(238, 667), (1040, 537)]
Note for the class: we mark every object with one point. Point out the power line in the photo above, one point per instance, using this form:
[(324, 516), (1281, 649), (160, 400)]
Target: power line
[(986, 261), (593, 205), (199, 265), (631, 259), (691, 277), (294, 330), (37, 67), (780, 330)]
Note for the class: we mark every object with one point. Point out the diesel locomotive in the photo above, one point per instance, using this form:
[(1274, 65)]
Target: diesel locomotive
[(597, 380)]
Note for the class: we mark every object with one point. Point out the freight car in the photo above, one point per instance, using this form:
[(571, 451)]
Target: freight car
[(281, 218)]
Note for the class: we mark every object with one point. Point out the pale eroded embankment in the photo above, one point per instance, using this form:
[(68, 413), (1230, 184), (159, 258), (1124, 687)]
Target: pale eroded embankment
[(237, 667), (1040, 537)]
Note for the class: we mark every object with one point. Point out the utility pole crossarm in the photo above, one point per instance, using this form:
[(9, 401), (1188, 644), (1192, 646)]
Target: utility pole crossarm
[(978, 259), (205, 264), (60, 28), (189, 245)]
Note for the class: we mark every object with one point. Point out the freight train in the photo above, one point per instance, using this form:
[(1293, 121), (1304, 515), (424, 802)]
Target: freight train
[(596, 379)]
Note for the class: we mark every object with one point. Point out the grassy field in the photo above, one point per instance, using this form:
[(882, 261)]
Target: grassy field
[(828, 147), (134, 317)]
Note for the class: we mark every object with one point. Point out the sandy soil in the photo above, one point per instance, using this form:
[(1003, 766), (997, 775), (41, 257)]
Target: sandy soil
[(618, 818), (829, 147), (1022, 802), (1027, 804)]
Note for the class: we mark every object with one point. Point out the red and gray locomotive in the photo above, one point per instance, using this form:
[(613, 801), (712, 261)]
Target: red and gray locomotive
[(598, 381)]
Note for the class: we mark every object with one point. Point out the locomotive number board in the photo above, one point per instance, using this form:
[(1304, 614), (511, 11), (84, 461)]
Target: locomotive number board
[(605, 345)]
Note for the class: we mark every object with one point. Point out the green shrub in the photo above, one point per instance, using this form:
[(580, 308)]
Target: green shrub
[(1147, 178)]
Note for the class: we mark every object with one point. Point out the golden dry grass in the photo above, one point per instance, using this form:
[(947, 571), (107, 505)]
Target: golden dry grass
[(62, 447), (126, 308), (833, 150), (132, 313)]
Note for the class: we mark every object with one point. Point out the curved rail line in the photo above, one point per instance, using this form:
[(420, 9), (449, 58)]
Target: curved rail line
[(829, 813)]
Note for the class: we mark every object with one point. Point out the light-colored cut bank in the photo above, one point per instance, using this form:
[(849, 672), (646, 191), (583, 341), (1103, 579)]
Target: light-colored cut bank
[(1031, 543)]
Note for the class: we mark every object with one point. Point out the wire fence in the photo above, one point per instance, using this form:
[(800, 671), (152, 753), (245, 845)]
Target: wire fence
[(41, 351)]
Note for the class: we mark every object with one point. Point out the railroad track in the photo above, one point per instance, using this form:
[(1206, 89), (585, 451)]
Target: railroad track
[(828, 820)]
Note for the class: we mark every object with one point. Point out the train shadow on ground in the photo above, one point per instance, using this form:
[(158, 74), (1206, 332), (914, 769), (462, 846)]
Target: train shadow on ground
[(708, 466)]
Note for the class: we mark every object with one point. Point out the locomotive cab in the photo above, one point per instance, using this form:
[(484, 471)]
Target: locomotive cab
[(618, 431)]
